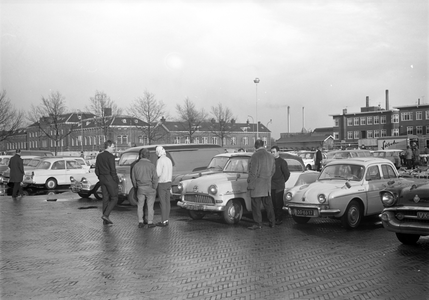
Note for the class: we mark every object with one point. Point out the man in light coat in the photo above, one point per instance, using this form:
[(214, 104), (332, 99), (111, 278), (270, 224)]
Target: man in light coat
[(164, 170), (261, 169)]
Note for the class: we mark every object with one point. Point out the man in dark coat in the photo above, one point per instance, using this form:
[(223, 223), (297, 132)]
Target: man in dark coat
[(16, 173), (318, 159), (261, 169), (105, 169), (281, 175)]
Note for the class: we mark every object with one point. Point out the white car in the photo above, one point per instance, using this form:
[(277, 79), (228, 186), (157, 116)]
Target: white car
[(309, 158), (226, 192), (347, 189), (52, 172)]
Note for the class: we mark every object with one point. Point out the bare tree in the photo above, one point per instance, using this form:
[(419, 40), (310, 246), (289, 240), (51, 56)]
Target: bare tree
[(50, 116), (10, 118), (104, 110), (222, 122), (150, 110), (191, 117)]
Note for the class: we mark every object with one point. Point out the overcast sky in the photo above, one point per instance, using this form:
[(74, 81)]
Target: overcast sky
[(321, 55)]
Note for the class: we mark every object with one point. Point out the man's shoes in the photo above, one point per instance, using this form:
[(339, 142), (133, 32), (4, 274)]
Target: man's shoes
[(162, 224), (151, 225), (145, 222), (141, 225), (254, 227), (105, 223), (107, 220), (278, 222)]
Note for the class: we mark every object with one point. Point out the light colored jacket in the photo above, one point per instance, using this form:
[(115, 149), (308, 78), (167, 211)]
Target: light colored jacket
[(261, 169), (164, 169)]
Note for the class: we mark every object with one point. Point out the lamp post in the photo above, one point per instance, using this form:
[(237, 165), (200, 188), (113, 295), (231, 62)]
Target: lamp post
[(256, 81), (81, 130)]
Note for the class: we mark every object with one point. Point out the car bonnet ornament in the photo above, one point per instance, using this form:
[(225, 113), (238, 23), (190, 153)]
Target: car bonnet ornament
[(416, 199), (195, 188)]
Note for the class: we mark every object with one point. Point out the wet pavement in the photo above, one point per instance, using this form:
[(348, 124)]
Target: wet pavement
[(56, 247)]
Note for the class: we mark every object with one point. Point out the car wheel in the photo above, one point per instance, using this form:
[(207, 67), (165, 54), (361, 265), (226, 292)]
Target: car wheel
[(51, 183), (301, 220), (196, 215), (353, 215), (83, 195), (132, 199), (233, 212), (98, 194), (407, 239)]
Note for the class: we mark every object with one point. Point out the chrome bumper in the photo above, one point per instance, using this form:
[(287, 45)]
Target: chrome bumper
[(200, 207), (408, 226), (320, 211)]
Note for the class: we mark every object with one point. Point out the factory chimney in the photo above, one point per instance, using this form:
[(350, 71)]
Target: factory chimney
[(367, 101), (303, 118), (387, 99), (288, 119)]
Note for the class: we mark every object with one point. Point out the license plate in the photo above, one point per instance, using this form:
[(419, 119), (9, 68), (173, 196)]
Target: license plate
[(195, 207), (422, 215), (304, 212)]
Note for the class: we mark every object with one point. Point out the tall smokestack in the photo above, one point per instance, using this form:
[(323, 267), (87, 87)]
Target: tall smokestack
[(303, 117), (367, 101), (387, 99), (288, 119)]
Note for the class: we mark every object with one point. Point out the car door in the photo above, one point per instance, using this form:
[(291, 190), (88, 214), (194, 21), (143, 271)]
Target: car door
[(374, 183), (58, 171)]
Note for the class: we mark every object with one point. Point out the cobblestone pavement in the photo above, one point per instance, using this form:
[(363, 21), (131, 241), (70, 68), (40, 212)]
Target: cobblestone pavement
[(61, 250)]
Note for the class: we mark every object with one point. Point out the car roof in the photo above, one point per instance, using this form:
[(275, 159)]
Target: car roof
[(360, 161), (233, 154), (389, 150)]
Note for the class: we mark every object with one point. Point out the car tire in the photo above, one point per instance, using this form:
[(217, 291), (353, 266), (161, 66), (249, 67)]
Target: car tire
[(196, 215), (98, 194), (233, 212), (407, 239), (301, 220), (132, 197), (353, 215), (83, 195), (51, 183)]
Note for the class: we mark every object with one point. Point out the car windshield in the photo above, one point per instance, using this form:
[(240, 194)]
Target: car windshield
[(342, 172), (294, 165), (237, 164), (5, 161), (218, 162), (33, 162), (306, 155), (379, 154), (128, 158), (307, 178)]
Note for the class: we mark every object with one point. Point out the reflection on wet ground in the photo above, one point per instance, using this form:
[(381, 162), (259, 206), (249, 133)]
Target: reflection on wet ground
[(40, 191)]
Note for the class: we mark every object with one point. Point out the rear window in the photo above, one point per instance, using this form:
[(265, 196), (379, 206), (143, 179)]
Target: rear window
[(388, 172), (294, 165)]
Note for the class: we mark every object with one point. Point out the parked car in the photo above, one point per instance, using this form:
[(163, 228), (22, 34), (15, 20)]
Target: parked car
[(304, 178), (86, 185), (53, 171), (185, 158), (226, 192), (309, 158), (406, 211), (342, 154), (390, 154), (347, 189), (29, 163)]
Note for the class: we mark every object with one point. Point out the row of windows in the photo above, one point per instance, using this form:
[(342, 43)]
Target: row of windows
[(370, 134), (408, 116), (375, 120)]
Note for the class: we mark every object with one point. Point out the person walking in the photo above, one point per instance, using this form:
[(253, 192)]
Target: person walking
[(281, 175), (409, 157), (318, 159), (144, 177), (16, 174), (416, 156), (105, 170), (164, 170), (261, 169)]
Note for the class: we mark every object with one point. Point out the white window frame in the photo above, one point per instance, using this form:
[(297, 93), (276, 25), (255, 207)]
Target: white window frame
[(369, 120), (395, 132), (419, 115), (376, 120), (419, 130), (356, 122), (356, 135), (383, 119), (349, 135), (383, 132), (349, 121), (363, 121)]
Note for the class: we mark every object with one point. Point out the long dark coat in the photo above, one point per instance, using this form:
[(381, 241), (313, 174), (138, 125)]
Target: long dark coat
[(16, 169)]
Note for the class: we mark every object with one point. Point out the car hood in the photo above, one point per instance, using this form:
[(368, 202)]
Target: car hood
[(195, 175), (411, 195), (221, 180)]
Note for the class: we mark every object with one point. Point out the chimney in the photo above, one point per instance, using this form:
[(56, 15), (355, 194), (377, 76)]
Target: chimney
[(288, 119), (418, 102), (345, 111), (303, 117), (387, 99), (367, 101)]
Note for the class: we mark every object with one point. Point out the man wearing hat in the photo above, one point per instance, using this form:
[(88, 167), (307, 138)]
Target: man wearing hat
[(16, 173)]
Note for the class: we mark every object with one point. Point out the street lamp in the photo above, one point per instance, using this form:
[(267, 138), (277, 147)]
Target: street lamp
[(81, 130), (256, 81)]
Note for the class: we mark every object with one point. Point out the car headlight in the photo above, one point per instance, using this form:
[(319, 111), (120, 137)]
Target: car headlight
[(180, 188), (387, 198), (121, 178), (1, 179), (84, 180), (212, 189), (321, 198), (288, 196), (72, 179)]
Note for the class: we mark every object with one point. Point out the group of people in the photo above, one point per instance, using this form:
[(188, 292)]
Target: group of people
[(411, 156), (147, 180), (268, 174)]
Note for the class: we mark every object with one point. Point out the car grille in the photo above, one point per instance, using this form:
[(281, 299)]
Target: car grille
[(198, 198)]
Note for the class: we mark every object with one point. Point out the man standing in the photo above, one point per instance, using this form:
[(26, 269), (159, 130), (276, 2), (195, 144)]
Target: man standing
[(261, 169), (105, 169), (16, 173), (318, 160), (281, 175), (164, 170), (409, 157), (144, 177)]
